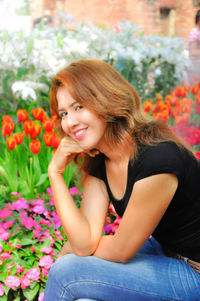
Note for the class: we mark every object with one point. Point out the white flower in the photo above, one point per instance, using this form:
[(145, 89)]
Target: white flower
[(27, 89)]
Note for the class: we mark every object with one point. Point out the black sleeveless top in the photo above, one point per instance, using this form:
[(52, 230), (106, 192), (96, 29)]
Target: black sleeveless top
[(179, 228)]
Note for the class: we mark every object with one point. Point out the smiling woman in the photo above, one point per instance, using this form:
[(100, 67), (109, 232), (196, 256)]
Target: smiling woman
[(147, 172)]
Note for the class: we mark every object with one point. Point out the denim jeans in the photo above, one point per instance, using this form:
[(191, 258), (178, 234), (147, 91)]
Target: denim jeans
[(149, 275)]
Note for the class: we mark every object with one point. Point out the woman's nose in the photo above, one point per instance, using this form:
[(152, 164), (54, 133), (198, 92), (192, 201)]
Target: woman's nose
[(71, 120)]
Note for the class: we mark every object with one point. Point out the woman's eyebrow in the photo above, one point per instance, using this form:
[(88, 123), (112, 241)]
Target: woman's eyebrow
[(71, 105)]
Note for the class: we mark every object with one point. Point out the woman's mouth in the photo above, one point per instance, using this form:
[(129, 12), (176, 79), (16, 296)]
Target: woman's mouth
[(79, 134)]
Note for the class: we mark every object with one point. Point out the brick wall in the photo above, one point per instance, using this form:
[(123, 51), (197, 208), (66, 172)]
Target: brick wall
[(163, 17)]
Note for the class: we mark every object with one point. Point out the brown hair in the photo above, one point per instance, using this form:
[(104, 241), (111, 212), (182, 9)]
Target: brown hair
[(98, 86)]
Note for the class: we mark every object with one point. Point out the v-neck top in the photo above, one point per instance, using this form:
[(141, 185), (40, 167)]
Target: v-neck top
[(179, 228)]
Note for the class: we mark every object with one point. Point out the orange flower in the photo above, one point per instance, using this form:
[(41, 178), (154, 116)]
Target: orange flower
[(7, 128), (35, 131), (50, 139), (197, 98), (39, 114), (19, 137), (180, 92), (195, 89), (11, 143), (7, 118), (28, 126), (48, 125), (54, 115), (35, 146), (148, 105), (22, 115)]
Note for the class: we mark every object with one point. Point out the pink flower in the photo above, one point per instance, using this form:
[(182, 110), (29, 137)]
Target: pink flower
[(1, 248), (20, 269), (4, 235), (25, 282), (33, 274), (12, 281), (46, 262), (58, 235), (51, 201), (5, 213), (49, 190), (1, 289), (5, 255), (28, 222), (32, 248), (46, 250), (15, 193), (39, 209), (56, 220), (73, 190), (41, 296), (23, 214), (45, 222), (20, 204), (8, 225), (45, 272)]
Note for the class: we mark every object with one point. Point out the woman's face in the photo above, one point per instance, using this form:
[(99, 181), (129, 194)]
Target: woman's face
[(80, 123)]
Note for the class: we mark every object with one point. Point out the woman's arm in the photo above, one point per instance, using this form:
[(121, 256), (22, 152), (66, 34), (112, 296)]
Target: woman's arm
[(83, 227), (149, 200)]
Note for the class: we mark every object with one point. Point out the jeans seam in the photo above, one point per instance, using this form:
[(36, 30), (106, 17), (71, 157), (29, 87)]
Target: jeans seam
[(118, 286)]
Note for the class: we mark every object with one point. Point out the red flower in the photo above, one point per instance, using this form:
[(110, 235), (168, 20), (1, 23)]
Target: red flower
[(7, 128), (48, 125), (19, 137), (28, 127), (35, 131), (194, 89), (35, 146), (11, 143), (39, 114), (7, 118), (50, 139), (22, 115), (198, 155)]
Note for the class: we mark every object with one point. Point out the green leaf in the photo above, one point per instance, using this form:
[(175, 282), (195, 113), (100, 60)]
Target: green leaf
[(59, 39), (30, 293), (43, 177), (26, 242), (21, 72)]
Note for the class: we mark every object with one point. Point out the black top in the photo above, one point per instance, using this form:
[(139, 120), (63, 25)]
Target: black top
[(179, 228)]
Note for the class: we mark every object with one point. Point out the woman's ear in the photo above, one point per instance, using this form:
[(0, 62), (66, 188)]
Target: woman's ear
[(93, 152)]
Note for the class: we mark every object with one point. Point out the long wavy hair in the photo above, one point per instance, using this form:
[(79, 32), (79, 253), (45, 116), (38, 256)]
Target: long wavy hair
[(99, 87)]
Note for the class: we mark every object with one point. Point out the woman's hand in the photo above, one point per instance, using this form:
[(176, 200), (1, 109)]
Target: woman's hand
[(64, 154)]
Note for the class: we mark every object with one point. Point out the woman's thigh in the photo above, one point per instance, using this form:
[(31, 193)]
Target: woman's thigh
[(148, 276)]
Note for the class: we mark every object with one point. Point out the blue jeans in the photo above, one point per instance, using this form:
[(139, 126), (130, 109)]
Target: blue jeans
[(149, 275)]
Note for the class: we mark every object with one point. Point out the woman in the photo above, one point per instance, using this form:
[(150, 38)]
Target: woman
[(152, 179), (194, 50)]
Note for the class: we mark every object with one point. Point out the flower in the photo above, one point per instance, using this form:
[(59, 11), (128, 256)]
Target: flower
[(19, 137), (41, 296), (20, 204), (35, 146), (73, 190), (22, 115), (33, 274), (35, 131), (1, 290), (4, 213), (46, 250), (28, 222), (48, 125), (11, 143), (39, 114), (46, 262), (6, 118), (198, 155), (7, 128), (50, 139), (25, 282), (12, 281)]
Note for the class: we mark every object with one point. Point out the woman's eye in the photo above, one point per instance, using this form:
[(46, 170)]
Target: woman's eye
[(79, 107), (63, 114)]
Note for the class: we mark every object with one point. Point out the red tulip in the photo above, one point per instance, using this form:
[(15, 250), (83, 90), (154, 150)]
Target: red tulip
[(7, 118), (11, 143), (35, 131), (28, 127), (48, 125), (35, 146), (7, 128), (50, 139), (19, 137), (194, 89), (39, 114), (22, 115)]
